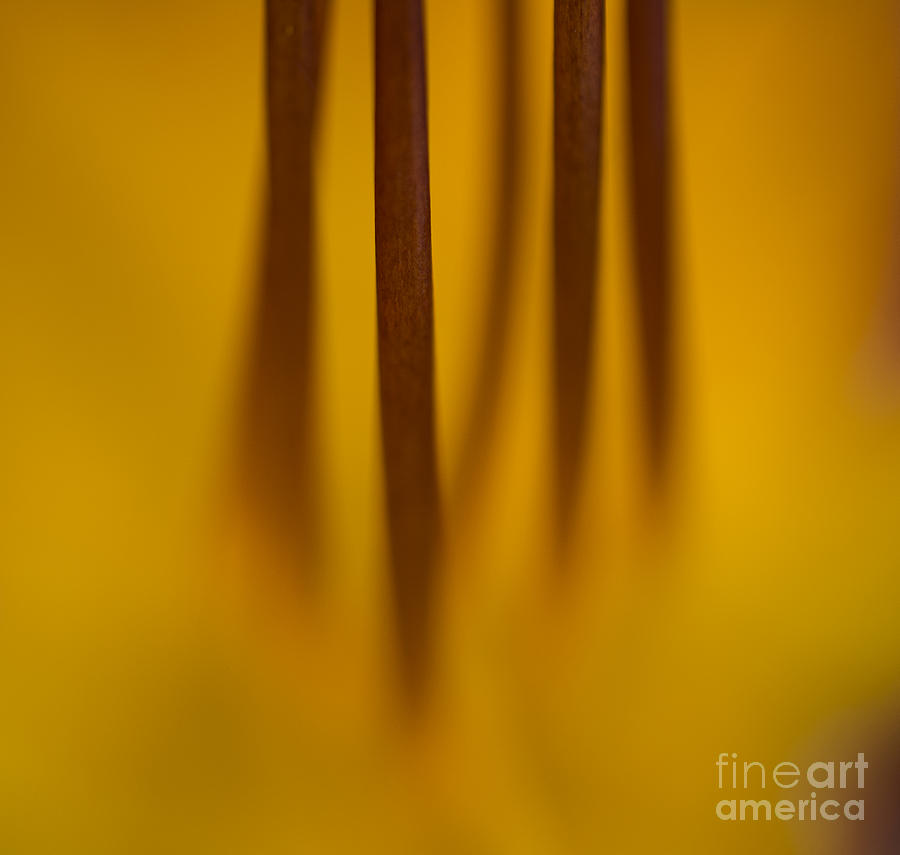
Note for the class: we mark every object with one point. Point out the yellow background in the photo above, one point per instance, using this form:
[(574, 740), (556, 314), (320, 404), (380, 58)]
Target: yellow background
[(165, 691)]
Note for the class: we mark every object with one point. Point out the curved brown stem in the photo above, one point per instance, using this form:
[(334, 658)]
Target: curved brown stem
[(405, 318), (278, 453), (650, 167), (578, 64)]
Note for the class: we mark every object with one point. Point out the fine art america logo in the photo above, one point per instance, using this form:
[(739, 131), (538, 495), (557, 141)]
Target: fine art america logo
[(825, 779)]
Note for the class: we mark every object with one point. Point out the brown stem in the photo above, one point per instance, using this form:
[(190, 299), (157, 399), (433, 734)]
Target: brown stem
[(278, 453), (650, 166), (405, 318), (578, 65)]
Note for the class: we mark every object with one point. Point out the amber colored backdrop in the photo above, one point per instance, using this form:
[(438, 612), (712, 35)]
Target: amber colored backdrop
[(163, 690)]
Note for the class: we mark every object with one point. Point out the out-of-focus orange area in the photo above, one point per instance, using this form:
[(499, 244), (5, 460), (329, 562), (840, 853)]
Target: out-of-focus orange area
[(167, 689)]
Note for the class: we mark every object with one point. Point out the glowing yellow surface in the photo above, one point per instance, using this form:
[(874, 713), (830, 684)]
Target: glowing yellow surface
[(165, 690)]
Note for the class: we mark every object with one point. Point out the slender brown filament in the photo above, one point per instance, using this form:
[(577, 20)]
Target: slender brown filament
[(278, 452), (650, 165), (494, 345), (405, 318), (578, 65)]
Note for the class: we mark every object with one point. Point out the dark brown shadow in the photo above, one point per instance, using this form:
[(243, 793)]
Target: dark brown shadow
[(494, 346)]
